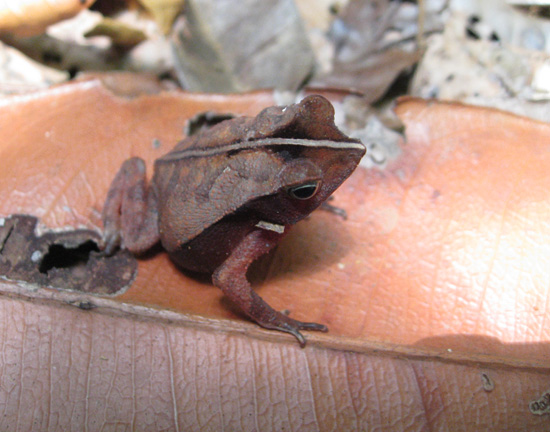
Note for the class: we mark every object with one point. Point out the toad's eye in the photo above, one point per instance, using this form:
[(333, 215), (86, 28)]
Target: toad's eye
[(304, 191)]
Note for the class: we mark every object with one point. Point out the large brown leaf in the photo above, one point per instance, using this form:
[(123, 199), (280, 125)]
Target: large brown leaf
[(434, 289)]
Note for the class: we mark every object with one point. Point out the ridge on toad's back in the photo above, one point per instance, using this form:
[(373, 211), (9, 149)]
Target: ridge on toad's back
[(311, 119), (267, 142)]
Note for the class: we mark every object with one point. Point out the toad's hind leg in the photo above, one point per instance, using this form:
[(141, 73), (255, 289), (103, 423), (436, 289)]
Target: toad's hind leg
[(230, 277), (130, 215)]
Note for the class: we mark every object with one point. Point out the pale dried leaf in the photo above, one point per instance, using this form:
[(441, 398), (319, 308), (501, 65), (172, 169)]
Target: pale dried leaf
[(120, 33), (80, 370), (19, 74), (483, 72), (164, 12), (231, 47), (371, 47)]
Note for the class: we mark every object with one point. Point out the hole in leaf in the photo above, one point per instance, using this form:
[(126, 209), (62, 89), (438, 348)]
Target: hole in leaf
[(60, 256), (62, 259)]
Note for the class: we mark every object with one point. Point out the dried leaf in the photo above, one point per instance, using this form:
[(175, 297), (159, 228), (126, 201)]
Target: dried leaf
[(19, 74), (84, 369), (230, 47), (120, 33), (390, 240), (372, 75), (367, 56), (65, 46), (31, 17), (483, 72), (440, 270), (164, 12)]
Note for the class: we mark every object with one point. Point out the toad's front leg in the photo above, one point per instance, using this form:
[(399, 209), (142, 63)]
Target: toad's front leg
[(230, 277), (130, 216)]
